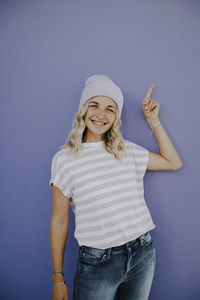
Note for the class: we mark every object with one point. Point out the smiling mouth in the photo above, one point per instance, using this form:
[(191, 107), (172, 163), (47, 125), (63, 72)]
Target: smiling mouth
[(96, 123)]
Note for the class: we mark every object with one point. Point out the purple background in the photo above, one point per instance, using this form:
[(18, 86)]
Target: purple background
[(47, 50)]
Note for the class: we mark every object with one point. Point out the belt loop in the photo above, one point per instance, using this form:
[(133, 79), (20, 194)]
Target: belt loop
[(128, 246), (141, 238), (108, 251)]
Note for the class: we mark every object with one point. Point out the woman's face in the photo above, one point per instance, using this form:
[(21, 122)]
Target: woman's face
[(99, 117)]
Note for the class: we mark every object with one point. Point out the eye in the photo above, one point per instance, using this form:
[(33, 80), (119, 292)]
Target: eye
[(95, 105), (110, 109)]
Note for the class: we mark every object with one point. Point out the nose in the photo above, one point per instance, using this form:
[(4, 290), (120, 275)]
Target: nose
[(101, 112)]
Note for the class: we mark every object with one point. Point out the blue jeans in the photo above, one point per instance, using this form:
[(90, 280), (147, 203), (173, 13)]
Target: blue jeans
[(124, 272)]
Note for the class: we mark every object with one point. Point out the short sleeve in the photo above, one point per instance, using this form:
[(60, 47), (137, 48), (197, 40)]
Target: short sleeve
[(141, 158), (60, 174)]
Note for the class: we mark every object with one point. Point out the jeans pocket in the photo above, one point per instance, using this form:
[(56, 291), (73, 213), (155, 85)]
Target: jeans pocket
[(91, 257), (147, 239)]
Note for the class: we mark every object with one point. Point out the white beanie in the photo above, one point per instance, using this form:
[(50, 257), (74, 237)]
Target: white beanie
[(100, 85)]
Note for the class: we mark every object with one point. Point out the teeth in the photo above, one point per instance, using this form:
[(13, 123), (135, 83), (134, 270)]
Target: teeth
[(97, 123)]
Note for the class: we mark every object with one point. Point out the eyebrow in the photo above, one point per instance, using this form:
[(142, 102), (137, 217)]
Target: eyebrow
[(98, 103)]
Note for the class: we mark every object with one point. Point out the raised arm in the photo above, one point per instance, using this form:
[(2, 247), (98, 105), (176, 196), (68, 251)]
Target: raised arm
[(168, 159)]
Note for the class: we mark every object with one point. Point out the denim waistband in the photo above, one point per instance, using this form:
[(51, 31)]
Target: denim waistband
[(130, 244)]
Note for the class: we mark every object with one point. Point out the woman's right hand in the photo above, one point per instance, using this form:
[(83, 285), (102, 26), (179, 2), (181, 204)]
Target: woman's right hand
[(60, 292)]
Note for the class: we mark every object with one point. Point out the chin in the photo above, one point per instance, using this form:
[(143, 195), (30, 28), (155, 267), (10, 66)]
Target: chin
[(97, 131)]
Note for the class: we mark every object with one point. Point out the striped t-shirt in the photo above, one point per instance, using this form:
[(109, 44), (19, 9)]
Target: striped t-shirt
[(106, 195)]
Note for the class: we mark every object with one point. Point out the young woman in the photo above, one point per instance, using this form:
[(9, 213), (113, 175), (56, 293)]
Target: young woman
[(100, 174)]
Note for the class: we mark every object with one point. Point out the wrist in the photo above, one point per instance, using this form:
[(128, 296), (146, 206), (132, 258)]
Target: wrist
[(57, 277), (155, 123), (155, 127)]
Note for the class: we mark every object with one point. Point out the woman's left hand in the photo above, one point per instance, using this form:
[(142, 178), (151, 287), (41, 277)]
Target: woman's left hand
[(150, 108)]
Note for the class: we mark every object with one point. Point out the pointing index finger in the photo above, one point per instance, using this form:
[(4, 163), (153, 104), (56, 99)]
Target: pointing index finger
[(149, 91)]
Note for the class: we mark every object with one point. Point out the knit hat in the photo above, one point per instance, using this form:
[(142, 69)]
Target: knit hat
[(97, 85)]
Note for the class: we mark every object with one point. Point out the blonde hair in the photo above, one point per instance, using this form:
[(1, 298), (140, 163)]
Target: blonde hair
[(113, 141)]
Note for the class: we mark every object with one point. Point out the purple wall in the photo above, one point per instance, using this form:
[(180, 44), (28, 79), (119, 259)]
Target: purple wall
[(47, 50)]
